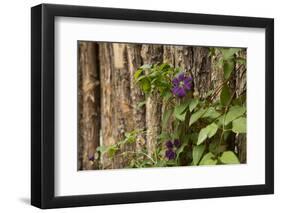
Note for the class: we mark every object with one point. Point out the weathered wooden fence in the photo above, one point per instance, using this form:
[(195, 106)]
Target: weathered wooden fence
[(108, 97)]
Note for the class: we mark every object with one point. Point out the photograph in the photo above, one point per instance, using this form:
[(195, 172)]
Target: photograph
[(160, 105), (134, 105)]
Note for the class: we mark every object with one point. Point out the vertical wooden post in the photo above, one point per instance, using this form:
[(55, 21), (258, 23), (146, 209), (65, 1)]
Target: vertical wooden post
[(152, 54), (89, 104), (138, 115)]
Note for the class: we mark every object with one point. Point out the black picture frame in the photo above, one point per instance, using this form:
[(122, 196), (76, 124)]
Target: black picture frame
[(43, 102)]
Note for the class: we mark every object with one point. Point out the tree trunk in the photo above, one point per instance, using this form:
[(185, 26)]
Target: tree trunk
[(107, 105), (201, 70), (89, 104), (152, 54), (168, 58), (122, 100), (134, 62)]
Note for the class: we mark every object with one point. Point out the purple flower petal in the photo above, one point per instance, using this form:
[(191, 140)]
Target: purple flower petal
[(181, 77), (181, 92), (187, 84), (167, 153), (177, 143), (189, 78), (175, 90), (170, 154), (181, 84), (175, 81), (169, 144)]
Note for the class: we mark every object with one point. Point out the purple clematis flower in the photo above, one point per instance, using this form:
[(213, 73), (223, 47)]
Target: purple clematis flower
[(92, 158), (170, 154), (177, 143), (181, 85), (169, 144)]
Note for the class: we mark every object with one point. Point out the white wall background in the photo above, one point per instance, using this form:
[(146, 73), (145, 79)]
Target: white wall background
[(15, 105)]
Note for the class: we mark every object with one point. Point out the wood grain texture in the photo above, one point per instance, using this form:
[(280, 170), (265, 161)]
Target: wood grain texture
[(89, 104), (152, 54)]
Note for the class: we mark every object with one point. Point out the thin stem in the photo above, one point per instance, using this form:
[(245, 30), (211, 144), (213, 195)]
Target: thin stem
[(219, 88), (223, 126), (144, 155)]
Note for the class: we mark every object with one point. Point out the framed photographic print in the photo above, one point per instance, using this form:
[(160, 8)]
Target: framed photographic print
[(139, 106)]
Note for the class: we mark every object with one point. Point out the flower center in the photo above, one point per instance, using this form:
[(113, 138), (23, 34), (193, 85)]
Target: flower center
[(181, 84)]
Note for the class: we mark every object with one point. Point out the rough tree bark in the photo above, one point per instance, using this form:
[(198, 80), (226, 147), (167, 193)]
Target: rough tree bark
[(89, 104), (201, 70), (134, 62), (169, 58), (120, 97), (152, 54), (106, 72)]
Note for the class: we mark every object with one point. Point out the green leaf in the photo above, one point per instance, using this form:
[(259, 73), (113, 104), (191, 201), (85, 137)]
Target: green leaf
[(228, 53), (228, 157), (239, 125), (240, 100), (194, 102), (130, 137), (203, 134), (233, 113), (225, 95), (185, 139), (207, 132), (211, 113), (180, 110), (166, 95), (166, 116), (145, 85), (216, 147), (212, 130), (194, 137), (164, 67), (137, 73), (228, 67), (146, 66), (228, 63), (180, 150), (177, 70), (208, 159), (195, 116), (140, 78), (102, 149), (180, 117), (111, 151), (197, 153)]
